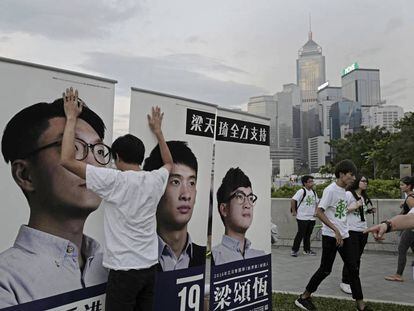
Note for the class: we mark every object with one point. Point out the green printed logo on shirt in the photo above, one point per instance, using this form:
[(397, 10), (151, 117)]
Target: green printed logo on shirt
[(310, 200), (340, 209)]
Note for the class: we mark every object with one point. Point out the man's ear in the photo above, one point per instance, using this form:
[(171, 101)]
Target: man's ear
[(223, 209), (118, 159), (21, 172)]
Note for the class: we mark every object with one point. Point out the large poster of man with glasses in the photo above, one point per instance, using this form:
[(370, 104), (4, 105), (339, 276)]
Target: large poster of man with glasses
[(241, 265), (236, 201), (52, 261)]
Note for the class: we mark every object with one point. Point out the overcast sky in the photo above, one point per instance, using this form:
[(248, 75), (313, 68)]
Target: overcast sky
[(221, 52)]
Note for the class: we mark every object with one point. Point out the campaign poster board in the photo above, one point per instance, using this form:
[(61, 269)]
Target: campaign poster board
[(23, 84), (240, 282), (180, 286)]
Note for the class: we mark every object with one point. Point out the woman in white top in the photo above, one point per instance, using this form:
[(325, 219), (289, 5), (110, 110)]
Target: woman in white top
[(359, 205)]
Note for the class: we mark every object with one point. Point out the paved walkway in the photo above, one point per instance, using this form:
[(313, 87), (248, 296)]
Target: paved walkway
[(291, 274)]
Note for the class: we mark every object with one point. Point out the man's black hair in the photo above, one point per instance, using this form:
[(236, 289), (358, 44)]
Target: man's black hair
[(22, 132), (180, 152), (305, 179), (129, 148), (234, 179), (345, 166)]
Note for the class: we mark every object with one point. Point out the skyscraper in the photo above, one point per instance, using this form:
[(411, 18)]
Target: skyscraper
[(345, 118), (319, 152), (386, 116), (310, 73), (287, 100), (362, 86), (326, 97), (279, 108)]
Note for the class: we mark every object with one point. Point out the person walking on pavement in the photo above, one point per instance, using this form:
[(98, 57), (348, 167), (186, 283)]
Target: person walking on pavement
[(332, 211), (303, 207), (407, 235), (359, 205)]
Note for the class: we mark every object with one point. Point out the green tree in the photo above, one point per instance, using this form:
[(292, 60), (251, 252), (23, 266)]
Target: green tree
[(365, 148), (401, 144), (378, 153)]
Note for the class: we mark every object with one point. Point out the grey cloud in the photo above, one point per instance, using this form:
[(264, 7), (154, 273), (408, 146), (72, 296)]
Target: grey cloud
[(395, 83), (197, 62), (396, 99), (65, 19), (4, 39), (195, 39), (241, 54), (395, 87), (366, 53), (176, 77), (394, 24), (400, 97)]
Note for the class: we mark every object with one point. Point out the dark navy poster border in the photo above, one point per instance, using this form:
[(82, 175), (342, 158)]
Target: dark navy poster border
[(242, 285)]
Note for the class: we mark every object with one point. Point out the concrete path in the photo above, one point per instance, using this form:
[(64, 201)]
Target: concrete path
[(290, 274)]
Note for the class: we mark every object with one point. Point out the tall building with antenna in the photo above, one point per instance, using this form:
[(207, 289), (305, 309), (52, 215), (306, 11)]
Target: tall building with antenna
[(310, 74)]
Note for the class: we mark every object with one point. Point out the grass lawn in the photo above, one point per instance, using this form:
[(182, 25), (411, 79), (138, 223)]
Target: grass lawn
[(285, 302)]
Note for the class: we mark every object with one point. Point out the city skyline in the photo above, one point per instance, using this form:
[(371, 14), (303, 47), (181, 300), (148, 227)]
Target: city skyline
[(223, 53)]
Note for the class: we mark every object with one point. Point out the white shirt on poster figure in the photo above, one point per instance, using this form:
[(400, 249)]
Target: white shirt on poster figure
[(334, 203), (230, 250), (41, 265), (130, 200), (307, 203)]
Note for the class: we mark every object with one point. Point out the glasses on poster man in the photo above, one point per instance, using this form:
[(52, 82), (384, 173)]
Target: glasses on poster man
[(100, 151), (240, 197)]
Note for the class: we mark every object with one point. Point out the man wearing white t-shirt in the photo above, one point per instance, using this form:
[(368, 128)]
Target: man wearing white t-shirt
[(130, 198), (332, 210), (303, 206)]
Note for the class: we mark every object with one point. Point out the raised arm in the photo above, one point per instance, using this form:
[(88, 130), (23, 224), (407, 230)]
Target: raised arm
[(154, 122), (73, 109)]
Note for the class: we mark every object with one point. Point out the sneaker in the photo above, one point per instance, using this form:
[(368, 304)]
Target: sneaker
[(294, 254), (309, 253), (305, 304), (346, 288)]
